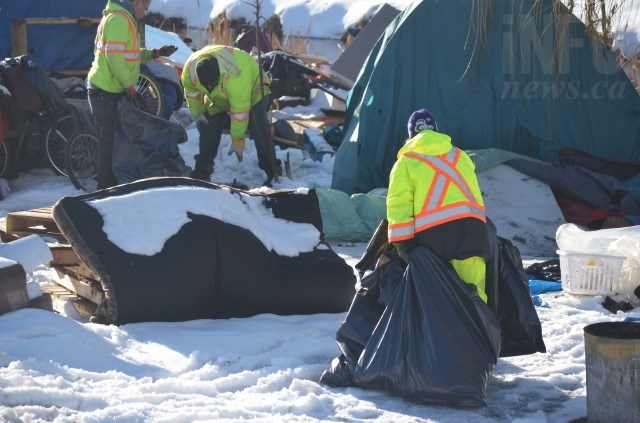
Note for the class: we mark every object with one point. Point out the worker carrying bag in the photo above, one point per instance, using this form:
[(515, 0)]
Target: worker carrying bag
[(436, 341)]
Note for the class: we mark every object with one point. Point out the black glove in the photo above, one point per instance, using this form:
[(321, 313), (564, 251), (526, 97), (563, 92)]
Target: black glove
[(165, 51)]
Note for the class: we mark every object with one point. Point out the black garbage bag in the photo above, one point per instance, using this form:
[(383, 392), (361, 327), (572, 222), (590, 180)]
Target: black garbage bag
[(376, 291), (548, 270), (521, 328), (492, 278), (506, 286), (436, 341), (378, 244), (146, 145)]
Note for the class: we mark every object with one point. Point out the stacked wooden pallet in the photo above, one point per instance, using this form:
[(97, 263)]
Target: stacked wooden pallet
[(36, 221), (72, 280)]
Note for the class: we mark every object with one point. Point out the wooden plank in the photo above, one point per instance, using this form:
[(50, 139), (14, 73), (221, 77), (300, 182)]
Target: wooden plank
[(333, 119), (36, 221), (49, 21), (84, 307), (307, 124), (80, 72), (316, 123), (67, 261), (61, 296), (285, 142), (42, 212), (63, 255), (27, 218), (54, 289), (80, 271), (18, 37), (19, 43), (38, 231), (90, 290)]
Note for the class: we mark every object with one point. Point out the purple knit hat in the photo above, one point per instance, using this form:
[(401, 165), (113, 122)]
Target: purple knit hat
[(419, 121)]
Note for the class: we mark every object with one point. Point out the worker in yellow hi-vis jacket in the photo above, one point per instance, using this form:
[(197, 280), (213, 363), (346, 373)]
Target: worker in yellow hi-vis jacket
[(223, 83), (115, 71), (434, 200)]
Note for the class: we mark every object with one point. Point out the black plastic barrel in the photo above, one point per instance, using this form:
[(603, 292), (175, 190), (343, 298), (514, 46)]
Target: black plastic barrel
[(612, 359)]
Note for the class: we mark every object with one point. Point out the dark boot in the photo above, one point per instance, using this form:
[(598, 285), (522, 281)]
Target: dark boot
[(201, 174)]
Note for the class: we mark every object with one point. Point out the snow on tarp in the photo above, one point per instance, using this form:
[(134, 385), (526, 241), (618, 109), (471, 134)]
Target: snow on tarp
[(172, 249)]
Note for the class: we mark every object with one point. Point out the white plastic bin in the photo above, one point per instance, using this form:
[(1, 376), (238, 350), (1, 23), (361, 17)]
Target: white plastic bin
[(590, 274)]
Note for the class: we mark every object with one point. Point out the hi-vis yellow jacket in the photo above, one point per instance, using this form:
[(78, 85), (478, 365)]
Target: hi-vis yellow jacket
[(431, 183), (116, 64), (237, 91)]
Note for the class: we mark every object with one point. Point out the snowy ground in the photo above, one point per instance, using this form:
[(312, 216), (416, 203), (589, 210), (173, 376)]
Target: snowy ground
[(58, 367)]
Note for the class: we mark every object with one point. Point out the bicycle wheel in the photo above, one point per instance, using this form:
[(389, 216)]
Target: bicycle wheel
[(55, 142), (81, 160), (6, 159), (150, 94)]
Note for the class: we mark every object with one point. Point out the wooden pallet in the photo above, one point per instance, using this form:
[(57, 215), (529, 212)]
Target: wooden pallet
[(69, 274), (60, 296), (36, 221), (80, 286), (65, 259), (72, 281)]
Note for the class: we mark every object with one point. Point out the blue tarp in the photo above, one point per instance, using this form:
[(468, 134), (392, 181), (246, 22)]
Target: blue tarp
[(495, 74), (55, 47), (538, 287)]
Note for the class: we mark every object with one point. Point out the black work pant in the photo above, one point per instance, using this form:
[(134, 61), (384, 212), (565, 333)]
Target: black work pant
[(104, 107), (258, 131)]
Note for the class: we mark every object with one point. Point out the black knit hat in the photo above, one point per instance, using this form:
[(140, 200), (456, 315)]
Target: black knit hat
[(419, 121), (208, 72)]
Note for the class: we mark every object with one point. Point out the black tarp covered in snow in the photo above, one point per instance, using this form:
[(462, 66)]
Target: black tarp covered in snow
[(209, 268)]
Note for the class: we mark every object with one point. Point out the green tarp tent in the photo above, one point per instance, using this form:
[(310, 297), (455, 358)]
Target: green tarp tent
[(517, 75)]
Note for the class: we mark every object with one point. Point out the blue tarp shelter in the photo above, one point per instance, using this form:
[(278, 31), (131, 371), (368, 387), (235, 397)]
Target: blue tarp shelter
[(517, 75), (54, 46)]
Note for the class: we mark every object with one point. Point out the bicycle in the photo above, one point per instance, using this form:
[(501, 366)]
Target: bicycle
[(150, 94), (10, 151), (30, 99), (81, 154), (81, 161)]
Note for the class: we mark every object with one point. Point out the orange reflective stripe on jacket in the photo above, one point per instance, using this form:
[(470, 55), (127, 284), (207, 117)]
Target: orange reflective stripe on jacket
[(435, 210), (108, 47)]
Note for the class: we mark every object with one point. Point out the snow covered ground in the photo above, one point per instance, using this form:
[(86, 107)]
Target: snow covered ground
[(264, 368), (60, 368)]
